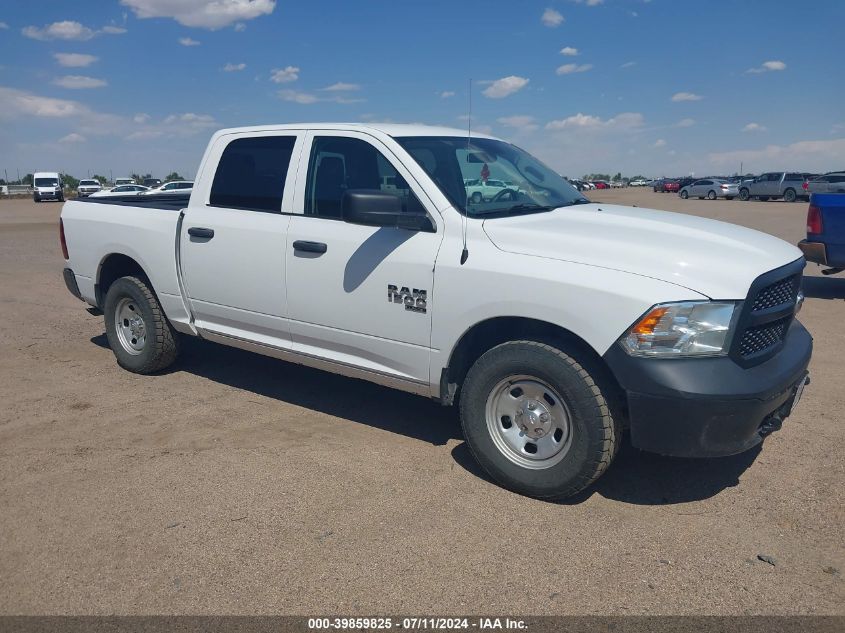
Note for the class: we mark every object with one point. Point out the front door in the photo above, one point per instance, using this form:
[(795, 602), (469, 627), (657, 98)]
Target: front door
[(233, 239), (360, 295)]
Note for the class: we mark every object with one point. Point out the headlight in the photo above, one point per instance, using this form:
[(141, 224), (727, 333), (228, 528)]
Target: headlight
[(676, 330)]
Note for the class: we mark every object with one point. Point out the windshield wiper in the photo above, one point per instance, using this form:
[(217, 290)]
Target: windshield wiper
[(517, 208)]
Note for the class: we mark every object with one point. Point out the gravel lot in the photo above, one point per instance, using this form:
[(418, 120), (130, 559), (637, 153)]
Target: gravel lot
[(239, 484)]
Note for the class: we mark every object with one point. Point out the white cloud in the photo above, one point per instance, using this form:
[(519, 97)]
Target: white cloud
[(809, 155), (73, 137), (284, 75), (15, 103), (754, 127), (68, 30), (505, 86), (589, 3), (206, 14), (569, 51), (79, 82), (519, 121), (65, 30), (552, 18), (190, 119), (686, 96), (3, 26), (296, 96), (141, 117), (75, 60), (628, 65), (660, 143), (187, 41), (240, 27), (342, 87), (446, 94), (684, 123), (307, 98), (623, 121), (232, 68), (568, 69), (766, 67)]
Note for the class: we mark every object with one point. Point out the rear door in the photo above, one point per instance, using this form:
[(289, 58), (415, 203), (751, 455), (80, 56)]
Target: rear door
[(233, 238), (360, 295)]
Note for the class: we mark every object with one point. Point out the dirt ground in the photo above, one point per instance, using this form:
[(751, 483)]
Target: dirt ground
[(238, 484)]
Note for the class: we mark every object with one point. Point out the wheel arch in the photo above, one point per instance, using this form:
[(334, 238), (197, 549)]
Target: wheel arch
[(111, 268), (487, 334)]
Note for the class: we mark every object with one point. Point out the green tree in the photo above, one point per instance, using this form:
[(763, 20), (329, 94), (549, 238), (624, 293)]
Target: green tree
[(173, 176), (27, 180), (100, 179), (69, 181)]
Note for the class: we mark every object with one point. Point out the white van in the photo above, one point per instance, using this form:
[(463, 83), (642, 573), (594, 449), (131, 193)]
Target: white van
[(47, 185)]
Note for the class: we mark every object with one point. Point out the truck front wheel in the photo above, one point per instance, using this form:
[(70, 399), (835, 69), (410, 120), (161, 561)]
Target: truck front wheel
[(744, 194), (537, 421), (141, 337)]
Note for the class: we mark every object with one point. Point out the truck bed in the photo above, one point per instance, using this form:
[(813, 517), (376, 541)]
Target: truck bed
[(166, 201)]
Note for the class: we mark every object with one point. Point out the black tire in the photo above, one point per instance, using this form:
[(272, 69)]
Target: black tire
[(711, 195), (162, 341), (744, 195), (594, 430), (684, 195), (789, 195), (36, 199)]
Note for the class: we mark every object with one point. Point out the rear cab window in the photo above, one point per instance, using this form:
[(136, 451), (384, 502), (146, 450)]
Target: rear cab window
[(251, 174)]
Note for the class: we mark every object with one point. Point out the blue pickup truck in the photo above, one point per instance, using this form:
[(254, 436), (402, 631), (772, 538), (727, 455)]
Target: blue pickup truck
[(825, 243)]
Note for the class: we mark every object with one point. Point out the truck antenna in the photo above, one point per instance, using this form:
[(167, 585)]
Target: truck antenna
[(465, 252)]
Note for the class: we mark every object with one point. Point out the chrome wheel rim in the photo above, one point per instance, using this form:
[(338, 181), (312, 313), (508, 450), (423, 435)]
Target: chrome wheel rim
[(529, 422), (130, 327)]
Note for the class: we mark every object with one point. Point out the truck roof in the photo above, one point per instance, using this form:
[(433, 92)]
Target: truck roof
[(391, 129)]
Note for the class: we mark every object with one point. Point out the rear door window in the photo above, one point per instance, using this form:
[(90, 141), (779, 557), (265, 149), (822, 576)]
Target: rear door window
[(251, 174)]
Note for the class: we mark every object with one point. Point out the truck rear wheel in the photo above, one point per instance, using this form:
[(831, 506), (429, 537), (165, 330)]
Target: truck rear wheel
[(789, 195), (537, 421), (744, 194), (141, 337)]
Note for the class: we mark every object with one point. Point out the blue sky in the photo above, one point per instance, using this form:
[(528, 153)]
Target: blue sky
[(658, 87)]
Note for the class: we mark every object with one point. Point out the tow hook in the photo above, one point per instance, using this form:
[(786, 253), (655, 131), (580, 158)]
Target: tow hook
[(771, 424)]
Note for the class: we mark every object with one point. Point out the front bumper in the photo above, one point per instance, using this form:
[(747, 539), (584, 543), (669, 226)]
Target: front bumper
[(709, 407)]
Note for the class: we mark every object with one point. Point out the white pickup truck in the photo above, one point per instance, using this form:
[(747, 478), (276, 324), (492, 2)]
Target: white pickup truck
[(552, 321)]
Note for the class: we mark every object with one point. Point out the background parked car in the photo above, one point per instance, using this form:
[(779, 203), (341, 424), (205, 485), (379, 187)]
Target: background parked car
[(47, 185), (601, 184), (177, 186), (774, 184), (123, 181), (710, 188), (671, 186), (122, 190), (829, 183), (87, 187), (152, 182)]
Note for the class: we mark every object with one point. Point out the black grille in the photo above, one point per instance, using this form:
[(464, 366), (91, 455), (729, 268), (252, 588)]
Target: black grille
[(778, 293), (768, 317), (762, 337)]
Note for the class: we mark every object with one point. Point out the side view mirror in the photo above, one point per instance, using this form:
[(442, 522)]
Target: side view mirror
[(373, 207)]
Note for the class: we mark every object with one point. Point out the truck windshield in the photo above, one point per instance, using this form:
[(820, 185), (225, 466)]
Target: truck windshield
[(490, 178), (46, 182)]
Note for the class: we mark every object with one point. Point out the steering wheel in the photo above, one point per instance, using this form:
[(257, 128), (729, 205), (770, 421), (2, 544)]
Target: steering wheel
[(507, 195)]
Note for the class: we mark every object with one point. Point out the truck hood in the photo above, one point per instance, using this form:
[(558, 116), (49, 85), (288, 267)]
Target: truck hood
[(716, 259)]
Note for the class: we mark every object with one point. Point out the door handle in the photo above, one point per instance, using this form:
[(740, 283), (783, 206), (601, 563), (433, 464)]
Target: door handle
[(197, 231), (310, 247)]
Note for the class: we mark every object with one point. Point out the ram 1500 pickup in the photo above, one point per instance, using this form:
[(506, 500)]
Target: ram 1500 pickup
[(551, 321)]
